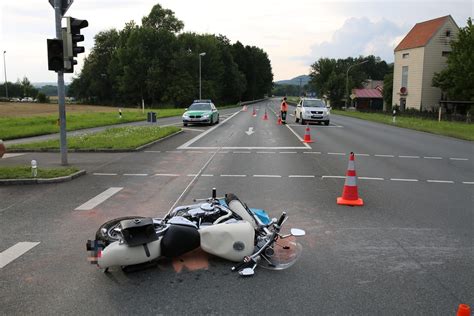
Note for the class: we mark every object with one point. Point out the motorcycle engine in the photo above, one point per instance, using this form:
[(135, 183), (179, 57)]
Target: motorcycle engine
[(204, 213)]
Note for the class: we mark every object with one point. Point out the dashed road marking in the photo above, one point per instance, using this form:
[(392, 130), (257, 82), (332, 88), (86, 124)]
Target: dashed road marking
[(312, 152), (466, 182), (265, 152), (433, 158), (104, 174), (333, 177), (386, 156), (369, 178), (191, 175), (241, 152), (89, 205), (409, 157), (266, 176), (207, 175), (136, 174), (439, 181), (340, 154), (460, 159), (15, 251), (365, 155), (300, 176), (234, 175), (167, 175), (153, 151), (405, 180), (287, 152)]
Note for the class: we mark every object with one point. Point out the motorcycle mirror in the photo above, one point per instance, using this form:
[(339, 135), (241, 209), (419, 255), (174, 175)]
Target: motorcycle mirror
[(246, 272), (297, 232)]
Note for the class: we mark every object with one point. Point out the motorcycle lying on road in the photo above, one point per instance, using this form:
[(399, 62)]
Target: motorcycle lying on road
[(225, 227)]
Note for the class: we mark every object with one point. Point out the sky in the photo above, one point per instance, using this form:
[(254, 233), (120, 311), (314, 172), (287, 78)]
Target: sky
[(294, 33)]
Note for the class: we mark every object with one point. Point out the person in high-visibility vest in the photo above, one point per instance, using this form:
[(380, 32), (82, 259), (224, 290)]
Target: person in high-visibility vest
[(283, 110)]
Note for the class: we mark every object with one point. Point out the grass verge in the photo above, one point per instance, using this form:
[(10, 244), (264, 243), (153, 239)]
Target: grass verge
[(21, 172), (453, 129), (118, 138), (19, 127)]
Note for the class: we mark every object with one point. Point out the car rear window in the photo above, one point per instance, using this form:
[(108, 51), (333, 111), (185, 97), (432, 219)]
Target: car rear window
[(314, 103), (200, 107)]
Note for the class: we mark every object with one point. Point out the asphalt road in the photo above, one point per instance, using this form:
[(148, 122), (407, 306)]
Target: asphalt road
[(408, 250)]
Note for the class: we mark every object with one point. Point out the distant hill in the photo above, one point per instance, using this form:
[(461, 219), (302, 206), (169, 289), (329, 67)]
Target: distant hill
[(42, 84), (295, 81)]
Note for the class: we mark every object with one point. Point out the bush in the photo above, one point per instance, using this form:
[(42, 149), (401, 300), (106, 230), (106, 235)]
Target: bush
[(42, 98)]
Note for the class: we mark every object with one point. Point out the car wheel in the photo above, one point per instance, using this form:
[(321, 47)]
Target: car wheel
[(217, 122), (326, 123), (296, 118), (185, 124)]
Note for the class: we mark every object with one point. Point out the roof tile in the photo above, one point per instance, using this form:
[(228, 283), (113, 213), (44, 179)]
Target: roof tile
[(421, 33)]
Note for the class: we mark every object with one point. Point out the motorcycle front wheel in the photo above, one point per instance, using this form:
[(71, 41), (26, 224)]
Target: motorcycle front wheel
[(106, 232)]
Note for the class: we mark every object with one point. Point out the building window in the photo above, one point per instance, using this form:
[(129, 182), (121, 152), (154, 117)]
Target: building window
[(405, 76), (405, 55), (445, 54), (448, 33)]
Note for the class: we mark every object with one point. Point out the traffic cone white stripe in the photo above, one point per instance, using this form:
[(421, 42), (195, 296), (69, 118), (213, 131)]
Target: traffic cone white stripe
[(351, 182)]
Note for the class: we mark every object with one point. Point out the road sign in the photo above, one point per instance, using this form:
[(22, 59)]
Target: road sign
[(353, 96), (64, 5)]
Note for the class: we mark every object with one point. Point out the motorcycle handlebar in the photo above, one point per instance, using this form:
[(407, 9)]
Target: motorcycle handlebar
[(281, 219)]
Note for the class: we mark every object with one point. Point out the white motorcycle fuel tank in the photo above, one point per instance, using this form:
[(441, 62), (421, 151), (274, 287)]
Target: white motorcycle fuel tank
[(231, 241), (120, 254)]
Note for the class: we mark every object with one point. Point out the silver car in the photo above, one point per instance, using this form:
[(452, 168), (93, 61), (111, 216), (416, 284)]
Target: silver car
[(311, 109)]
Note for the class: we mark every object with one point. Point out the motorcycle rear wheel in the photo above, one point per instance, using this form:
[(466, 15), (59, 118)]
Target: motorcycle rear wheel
[(106, 233)]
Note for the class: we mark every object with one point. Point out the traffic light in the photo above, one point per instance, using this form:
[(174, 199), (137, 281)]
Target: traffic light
[(71, 36), (55, 55)]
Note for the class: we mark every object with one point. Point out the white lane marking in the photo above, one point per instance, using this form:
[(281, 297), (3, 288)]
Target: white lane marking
[(266, 176), (11, 155), (265, 152), (234, 175), (287, 152), (223, 152), (312, 152), (207, 175), (388, 156), (153, 151), (174, 151), (461, 159), (333, 177), (465, 182), (365, 155), (104, 174), (249, 148), (409, 157), (298, 136), (167, 175), (195, 139), (15, 251), (241, 152), (433, 157), (136, 174), (194, 151), (439, 181), (340, 154), (192, 175), (405, 180), (369, 178), (89, 205), (300, 176)]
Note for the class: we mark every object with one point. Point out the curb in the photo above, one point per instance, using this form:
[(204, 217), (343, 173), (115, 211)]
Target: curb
[(41, 180), (93, 150)]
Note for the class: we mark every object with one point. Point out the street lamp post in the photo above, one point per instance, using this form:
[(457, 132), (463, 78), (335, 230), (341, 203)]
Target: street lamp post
[(5, 68), (347, 80), (200, 55)]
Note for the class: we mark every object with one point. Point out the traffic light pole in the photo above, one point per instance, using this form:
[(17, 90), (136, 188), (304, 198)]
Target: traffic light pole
[(61, 94)]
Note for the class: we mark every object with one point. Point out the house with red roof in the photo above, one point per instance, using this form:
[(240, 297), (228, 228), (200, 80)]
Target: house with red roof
[(370, 97), (420, 54)]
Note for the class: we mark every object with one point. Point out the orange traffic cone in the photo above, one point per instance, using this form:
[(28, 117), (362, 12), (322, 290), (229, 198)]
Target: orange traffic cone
[(464, 310), (254, 113), (307, 135), (349, 194), (265, 116), (279, 120), (244, 109)]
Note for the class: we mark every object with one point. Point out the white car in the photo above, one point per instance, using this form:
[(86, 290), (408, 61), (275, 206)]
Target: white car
[(312, 110)]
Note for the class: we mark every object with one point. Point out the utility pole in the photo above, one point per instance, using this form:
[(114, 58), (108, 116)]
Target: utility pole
[(347, 81), (200, 55), (61, 97), (5, 68)]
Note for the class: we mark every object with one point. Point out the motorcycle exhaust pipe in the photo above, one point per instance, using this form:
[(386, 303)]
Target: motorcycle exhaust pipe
[(120, 254)]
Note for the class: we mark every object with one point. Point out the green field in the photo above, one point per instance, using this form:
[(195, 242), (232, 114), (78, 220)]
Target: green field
[(118, 138), (19, 127), (21, 172), (453, 129)]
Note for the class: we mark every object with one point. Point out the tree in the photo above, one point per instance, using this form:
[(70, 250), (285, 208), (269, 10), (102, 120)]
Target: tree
[(162, 19), (457, 79), (27, 88)]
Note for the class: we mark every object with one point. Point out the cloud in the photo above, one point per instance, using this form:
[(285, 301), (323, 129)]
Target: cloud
[(359, 36)]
